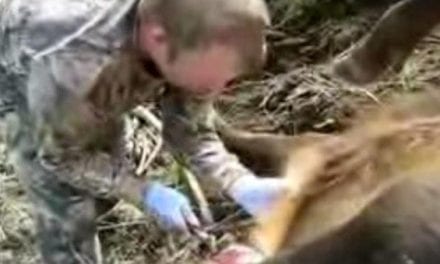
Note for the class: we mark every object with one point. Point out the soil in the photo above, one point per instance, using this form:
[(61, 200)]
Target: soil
[(295, 94)]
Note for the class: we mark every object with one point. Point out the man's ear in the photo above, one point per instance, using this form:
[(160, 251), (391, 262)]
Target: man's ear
[(152, 38)]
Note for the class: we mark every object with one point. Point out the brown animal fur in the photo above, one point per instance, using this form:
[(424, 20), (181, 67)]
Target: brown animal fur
[(265, 153), (391, 41), (342, 184)]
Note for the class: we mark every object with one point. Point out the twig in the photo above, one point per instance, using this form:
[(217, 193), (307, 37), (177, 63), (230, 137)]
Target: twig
[(199, 196), (370, 95), (141, 166), (131, 125), (146, 162), (229, 223), (109, 212), (3, 236), (146, 115), (119, 225)]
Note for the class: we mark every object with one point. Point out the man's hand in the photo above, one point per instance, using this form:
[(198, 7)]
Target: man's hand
[(257, 195), (189, 128), (172, 208)]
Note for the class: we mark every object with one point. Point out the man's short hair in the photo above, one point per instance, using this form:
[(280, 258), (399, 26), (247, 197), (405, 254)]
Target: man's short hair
[(190, 23)]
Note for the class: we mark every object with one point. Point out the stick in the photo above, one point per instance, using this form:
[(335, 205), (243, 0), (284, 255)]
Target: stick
[(3, 236), (198, 196), (146, 162), (146, 115)]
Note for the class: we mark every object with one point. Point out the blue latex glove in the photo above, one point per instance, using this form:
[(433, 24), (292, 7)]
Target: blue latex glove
[(257, 195), (172, 208)]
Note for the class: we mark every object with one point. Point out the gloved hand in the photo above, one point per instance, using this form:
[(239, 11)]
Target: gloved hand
[(257, 195), (172, 208)]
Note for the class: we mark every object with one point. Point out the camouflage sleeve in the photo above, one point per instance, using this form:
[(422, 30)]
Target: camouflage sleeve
[(63, 125), (34, 29), (60, 45), (190, 133)]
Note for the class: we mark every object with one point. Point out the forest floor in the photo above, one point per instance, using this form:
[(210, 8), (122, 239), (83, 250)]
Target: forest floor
[(296, 93)]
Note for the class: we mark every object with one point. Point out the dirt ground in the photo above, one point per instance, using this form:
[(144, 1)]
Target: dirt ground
[(295, 94)]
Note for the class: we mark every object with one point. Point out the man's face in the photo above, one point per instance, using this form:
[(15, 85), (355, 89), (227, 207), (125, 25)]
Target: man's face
[(205, 71)]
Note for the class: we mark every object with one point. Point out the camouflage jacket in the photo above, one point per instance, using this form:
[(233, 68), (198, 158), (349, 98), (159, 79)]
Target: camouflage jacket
[(189, 130), (60, 46)]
